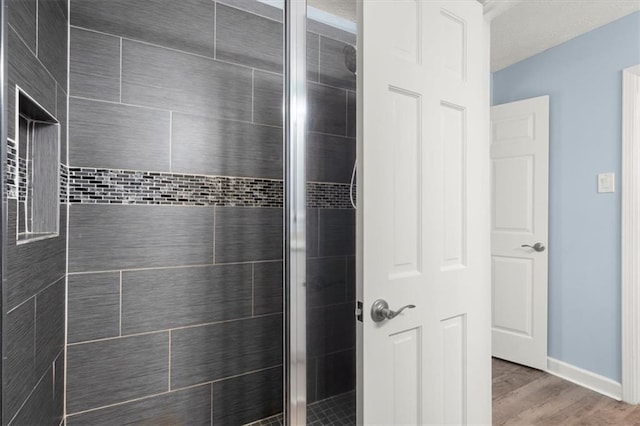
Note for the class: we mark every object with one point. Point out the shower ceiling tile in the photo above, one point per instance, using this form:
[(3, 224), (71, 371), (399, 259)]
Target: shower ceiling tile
[(108, 135), (160, 299), (185, 407), (327, 109), (245, 234), (167, 79), (111, 237), (330, 158), (94, 306), (212, 352), (94, 65), (117, 370), (333, 70), (184, 25), (248, 39), (225, 148), (243, 399)]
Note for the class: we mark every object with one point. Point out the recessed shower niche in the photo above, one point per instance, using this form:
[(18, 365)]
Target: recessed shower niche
[(38, 170)]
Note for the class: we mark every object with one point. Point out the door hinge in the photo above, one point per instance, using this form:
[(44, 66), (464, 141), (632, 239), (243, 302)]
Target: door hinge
[(359, 311)]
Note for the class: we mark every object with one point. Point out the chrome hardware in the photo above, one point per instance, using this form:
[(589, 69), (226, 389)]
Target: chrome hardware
[(536, 246), (380, 310)]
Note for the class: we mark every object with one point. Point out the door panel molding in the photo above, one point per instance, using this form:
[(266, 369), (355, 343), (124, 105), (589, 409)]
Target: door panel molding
[(629, 237)]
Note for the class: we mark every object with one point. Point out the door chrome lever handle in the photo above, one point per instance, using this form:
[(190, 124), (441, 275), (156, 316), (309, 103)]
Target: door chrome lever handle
[(380, 310), (537, 246)]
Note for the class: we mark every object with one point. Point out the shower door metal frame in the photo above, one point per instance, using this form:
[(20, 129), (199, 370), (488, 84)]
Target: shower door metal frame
[(295, 251)]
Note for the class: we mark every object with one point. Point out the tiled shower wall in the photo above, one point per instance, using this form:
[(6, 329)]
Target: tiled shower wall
[(175, 215), (34, 281)]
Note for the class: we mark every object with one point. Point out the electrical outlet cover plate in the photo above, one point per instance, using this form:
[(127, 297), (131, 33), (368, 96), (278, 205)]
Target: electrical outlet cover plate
[(606, 182)]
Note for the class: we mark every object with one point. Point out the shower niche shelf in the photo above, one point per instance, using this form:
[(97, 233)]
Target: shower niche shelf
[(38, 155)]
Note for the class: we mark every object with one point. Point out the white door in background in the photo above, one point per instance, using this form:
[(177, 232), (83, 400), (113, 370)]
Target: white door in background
[(520, 186), (423, 214)]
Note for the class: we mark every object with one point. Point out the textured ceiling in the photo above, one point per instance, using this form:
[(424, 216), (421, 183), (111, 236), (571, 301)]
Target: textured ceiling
[(527, 27)]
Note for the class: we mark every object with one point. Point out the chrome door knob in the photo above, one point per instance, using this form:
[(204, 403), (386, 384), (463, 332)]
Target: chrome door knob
[(380, 310), (537, 246)]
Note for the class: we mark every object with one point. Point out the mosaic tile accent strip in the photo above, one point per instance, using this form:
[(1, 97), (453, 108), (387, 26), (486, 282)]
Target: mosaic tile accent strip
[(109, 186), (339, 410)]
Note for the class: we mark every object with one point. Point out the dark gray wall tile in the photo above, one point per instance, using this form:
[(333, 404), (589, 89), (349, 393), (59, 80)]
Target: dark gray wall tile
[(248, 39), (311, 380), (330, 158), (117, 370), (211, 352), (330, 329), (327, 109), (333, 70), (326, 281), (247, 398), (61, 114), (44, 406), (246, 234), (52, 38), (312, 232), (21, 15), (313, 56), (267, 288), (259, 8), (336, 374), (18, 367), (27, 72), (267, 98), (50, 317), (94, 65), (104, 238), (185, 407), (163, 78), (160, 299), (94, 306), (32, 266), (337, 230), (103, 134), (185, 25), (351, 278), (351, 114), (225, 148), (331, 31)]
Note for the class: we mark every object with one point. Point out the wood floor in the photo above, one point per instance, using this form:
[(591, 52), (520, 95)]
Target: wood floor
[(524, 396)]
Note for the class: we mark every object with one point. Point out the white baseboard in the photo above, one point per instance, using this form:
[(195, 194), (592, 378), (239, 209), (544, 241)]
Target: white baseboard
[(585, 378)]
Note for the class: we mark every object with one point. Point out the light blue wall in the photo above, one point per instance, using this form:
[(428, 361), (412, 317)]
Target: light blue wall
[(584, 81)]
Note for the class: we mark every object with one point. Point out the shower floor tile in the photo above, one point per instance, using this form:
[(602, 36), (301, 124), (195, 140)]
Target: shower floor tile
[(339, 410)]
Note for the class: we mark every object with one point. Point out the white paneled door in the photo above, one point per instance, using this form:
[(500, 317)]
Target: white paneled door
[(519, 230), (423, 213)]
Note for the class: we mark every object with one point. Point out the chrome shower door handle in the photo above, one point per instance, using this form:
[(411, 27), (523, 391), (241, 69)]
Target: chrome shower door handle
[(380, 310), (537, 246)]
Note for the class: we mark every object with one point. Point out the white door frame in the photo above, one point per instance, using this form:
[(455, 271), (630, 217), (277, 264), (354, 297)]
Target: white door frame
[(629, 236)]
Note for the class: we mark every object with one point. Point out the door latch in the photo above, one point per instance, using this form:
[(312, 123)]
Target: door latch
[(359, 311)]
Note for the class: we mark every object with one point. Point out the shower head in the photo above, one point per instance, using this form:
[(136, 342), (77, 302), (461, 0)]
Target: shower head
[(350, 57)]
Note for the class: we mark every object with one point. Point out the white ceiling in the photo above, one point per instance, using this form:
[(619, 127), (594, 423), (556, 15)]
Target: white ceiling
[(524, 28)]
